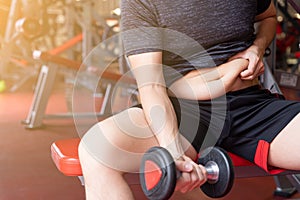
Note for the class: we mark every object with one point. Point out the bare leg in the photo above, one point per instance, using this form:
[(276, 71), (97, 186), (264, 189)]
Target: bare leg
[(285, 148), (99, 179), (107, 151), (112, 147)]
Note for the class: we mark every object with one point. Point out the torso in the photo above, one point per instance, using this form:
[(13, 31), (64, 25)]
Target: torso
[(222, 27)]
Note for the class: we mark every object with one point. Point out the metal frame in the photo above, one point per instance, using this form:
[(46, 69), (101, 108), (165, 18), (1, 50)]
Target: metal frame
[(42, 94)]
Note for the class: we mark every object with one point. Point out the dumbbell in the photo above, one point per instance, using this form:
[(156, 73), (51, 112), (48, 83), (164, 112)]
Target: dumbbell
[(158, 173)]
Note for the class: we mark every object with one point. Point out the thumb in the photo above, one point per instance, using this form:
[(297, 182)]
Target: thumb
[(250, 70), (184, 166)]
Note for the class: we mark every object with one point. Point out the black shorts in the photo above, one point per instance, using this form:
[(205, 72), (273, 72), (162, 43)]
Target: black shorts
[(243, 122)]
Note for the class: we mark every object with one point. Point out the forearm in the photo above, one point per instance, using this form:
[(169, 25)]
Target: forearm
[(161, 117), (205, 84), (266, 33), (157, 106), (265, 28)]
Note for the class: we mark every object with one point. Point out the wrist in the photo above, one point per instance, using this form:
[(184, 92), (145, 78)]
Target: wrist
[(258, 48), (176, 154), (174, 147), (261, 43)]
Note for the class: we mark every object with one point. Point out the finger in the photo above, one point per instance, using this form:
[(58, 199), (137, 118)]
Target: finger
[(249, 71), (193, 180), (187, 180), (204, 172), (190, 178), (184, 166), (261, 71), (250, 77), (197, 177), (183, 182), (254, 62), (261, 68), (258, 71)]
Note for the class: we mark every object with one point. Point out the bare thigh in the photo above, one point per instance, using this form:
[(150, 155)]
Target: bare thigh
[(119, 142), (285, 148)]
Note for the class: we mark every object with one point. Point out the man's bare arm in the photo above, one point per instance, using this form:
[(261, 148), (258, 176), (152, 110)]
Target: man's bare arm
[(265, 32), (158, 110), (209, 83)]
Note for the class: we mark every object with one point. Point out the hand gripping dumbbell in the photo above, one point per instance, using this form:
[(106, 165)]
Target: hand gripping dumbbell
[(158, 173)]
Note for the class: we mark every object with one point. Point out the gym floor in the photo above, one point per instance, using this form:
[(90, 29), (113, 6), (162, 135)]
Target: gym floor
[(27, 171)]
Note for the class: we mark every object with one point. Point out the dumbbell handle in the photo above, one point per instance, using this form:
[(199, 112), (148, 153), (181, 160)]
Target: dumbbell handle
[(212, 170)]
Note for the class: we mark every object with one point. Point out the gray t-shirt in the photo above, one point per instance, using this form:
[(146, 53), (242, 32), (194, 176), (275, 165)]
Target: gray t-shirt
[(220, 28)]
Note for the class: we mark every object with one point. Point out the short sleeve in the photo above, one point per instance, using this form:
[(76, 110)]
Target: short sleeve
[(262, 6), (140, 30)]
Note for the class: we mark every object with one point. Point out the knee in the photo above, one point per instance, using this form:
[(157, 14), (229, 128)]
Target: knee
[(118, 136), (83, 154), (89, 161), (81, 150)]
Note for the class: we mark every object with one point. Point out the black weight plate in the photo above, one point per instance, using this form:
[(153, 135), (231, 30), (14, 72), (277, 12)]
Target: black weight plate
[(166, 186), (226, 173)]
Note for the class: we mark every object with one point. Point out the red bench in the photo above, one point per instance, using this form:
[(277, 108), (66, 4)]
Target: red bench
[(65, 156)]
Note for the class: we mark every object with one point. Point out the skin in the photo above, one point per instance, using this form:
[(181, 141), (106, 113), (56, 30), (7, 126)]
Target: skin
[(113, 132), (129, 134)]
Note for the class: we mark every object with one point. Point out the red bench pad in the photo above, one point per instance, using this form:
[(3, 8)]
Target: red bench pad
[(65, 156)]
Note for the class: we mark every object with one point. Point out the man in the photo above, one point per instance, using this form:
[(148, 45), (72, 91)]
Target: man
[(182, 91)]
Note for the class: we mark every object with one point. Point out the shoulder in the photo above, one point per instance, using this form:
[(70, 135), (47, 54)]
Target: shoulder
[(137, 3)]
